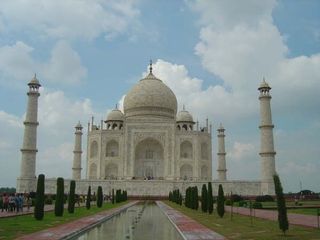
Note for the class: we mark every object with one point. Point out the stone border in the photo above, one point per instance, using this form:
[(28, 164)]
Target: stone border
[(187, 227), (77, 227)]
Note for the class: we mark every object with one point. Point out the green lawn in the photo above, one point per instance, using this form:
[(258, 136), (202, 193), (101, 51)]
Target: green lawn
[(308, 211), (240, 227), (13, 227), (292, 203)]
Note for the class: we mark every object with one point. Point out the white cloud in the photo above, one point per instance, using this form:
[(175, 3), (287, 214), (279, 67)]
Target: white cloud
[(69, 19), (10, 120), (64, 65), (241, 150)]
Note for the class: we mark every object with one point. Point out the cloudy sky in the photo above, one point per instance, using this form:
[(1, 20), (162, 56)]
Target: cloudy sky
[(212, 54)]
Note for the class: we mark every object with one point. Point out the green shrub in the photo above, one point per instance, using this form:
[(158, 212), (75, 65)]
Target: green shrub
[(236, 198), (71, 198), (39, 201), (99, 197), (48, 200), (58, 208), (257, 205), (243, 203), (204, 198), (228, 202), (210, 199), (88, 200), (220, 201), (264, 198), (281, 205)]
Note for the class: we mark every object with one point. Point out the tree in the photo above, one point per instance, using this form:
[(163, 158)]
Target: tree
[(113, 196), (39, 203), (88, 201), (196, 198), (204, 198), (71, 198), (58, 207), (281, 204), (210, 198), (99, 197), (220, 201)]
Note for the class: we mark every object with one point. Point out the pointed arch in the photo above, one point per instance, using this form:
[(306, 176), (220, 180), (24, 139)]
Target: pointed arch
[(204, 151), (93, 149), (93, 171), (186, 172), (186, 150), (112, 149)]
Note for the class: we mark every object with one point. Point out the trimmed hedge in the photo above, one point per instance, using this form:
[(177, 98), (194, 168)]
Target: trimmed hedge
[(71, 198), (58, 207), (39, 201), (99, 197), (88, 200)]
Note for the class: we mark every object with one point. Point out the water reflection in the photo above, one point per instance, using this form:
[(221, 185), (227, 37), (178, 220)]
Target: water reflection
[(142, 221)]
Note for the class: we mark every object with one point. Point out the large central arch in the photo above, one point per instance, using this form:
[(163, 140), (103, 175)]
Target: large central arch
[(149, 162)]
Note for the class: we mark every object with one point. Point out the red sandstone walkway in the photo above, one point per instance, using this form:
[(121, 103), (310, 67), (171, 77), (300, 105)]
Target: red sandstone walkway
[(75, 227), (189, 228), (296, 219)]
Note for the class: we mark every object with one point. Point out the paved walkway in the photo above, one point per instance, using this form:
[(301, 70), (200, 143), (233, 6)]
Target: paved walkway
[(294, 218), (71, 229), (189, 228)]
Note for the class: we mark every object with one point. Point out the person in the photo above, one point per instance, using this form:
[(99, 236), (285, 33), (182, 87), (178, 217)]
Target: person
[(6, 202), (17, 202), (1, 203), (12, 206), (21, 202), (28, 202)]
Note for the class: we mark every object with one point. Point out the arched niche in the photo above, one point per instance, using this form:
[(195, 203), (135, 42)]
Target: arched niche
[(204, 151), (186, 172), (186, 150), (93, 171), (93, 149), (111, 171), (112, 149), (204, 172), (149, 159)]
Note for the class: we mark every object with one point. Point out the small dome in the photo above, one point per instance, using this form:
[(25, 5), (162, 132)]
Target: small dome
[(184, 116), (115, 115), (264, 85), (78, 125), (150, 97), (34, 81)]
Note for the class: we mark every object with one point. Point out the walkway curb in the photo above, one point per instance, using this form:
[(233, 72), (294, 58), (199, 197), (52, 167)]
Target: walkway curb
[(72, 229), (187, 227)]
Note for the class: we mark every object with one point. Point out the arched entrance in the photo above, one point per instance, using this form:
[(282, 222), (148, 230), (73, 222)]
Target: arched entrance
[(149, 160)]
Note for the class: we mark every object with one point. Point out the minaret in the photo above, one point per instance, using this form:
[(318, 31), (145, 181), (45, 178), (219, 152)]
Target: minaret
[(267, 152), (76, 169), (222, 171), (27, 180)]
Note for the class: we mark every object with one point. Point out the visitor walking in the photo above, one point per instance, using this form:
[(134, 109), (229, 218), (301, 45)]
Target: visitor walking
[(5, 201)]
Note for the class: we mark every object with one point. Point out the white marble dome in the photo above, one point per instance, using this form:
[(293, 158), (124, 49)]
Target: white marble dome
[(115, 115), (184, 116), (150, 97)]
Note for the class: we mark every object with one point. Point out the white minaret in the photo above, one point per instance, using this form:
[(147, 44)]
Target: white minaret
[(267, 152), (222, 171), (27, 180), (76, 169)]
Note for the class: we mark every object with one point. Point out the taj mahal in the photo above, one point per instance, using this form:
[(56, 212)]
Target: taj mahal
[(149, 148)]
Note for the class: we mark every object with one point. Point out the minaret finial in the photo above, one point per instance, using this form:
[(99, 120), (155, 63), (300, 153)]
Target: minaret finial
[(150, 66), (183, 107), (116, 106)]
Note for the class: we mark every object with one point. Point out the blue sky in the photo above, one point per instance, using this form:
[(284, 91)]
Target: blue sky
[(212, 54)]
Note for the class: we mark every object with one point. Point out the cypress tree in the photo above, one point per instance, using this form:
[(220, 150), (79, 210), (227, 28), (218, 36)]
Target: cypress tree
[(88, 201), (204, 198), (39, 204), (58, 207), (113, 196), (196, 198), (71, 198), (220, 201), (281, 204), (210, 198), (99, 197)]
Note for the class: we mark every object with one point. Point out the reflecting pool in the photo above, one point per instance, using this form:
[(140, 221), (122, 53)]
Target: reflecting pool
[(142, 221)]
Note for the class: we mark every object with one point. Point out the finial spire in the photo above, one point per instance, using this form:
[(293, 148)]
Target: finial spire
[(150, 66), (183, 107), (116, 106)]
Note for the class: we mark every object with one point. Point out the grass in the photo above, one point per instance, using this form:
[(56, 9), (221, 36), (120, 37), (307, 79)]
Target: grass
[(307, 211), (292, 203), (240, 227), (13, 227)]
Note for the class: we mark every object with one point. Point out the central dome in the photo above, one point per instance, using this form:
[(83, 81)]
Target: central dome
[(150, 97)]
